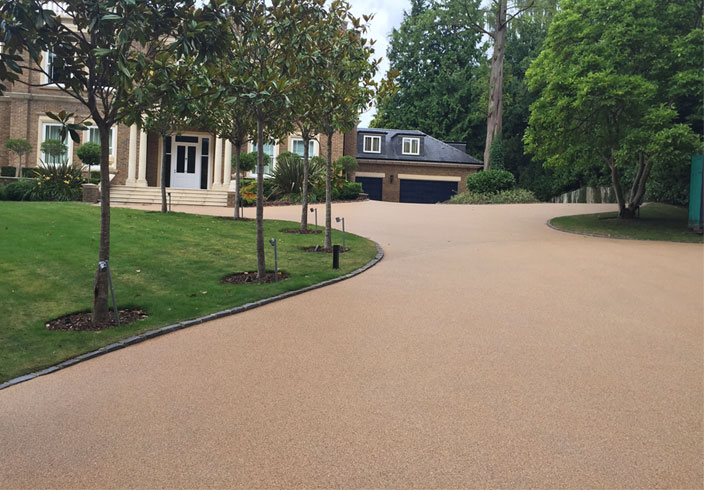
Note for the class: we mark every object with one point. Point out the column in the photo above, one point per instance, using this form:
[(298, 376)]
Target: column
[(132, 159), (142, 169), (217, 165), (227, 166)]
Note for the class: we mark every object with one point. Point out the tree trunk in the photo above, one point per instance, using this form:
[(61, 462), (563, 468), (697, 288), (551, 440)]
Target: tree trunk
[(304, 189), (624, 211), (494, 119), (261, 261), (238, 148), (101, 311), (19, 167), (638, 189), (163, 184), (328, 195)]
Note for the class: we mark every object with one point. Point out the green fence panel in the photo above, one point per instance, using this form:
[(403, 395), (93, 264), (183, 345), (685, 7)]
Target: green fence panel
[(696, 188)]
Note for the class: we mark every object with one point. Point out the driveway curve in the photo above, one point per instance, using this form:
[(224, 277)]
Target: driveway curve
[(484, 350)]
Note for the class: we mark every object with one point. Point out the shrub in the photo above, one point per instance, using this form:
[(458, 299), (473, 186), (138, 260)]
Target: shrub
[(249, 191), (8, 171), (288, 174), (490, 181), (350, 191), (56, 150), (496, 154), (511, 196), (89, 153), (58, 183), (20, 190), (248, 161), (19, 147), (3, 194), (348, 163)]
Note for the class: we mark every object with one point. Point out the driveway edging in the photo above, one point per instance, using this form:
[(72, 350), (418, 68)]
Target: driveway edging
[(150, 334)]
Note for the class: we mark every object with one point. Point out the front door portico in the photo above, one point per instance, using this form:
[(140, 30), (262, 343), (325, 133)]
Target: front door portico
[(190, 158)]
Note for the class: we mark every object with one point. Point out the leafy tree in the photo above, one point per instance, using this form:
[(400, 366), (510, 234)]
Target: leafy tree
[(348, 163), (54, 149), (101, 48), (19, 147), (89, 153), (608, 80), (348, 86), (498, 14), (441, 78)]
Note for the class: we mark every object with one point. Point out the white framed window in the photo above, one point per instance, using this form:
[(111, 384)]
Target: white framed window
[(372, 144), (53, 72), (52, 131), (297, 147), (411, 146), (271, 149), (93, 136)]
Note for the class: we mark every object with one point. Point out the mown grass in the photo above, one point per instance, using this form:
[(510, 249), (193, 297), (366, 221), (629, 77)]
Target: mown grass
[(168, 265), (656, 222)]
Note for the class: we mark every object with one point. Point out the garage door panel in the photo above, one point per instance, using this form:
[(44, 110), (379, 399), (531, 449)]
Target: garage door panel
[(372, 186), (426, 191)]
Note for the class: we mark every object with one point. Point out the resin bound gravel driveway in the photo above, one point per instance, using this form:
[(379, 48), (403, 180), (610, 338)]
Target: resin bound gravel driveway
[(484, 350)]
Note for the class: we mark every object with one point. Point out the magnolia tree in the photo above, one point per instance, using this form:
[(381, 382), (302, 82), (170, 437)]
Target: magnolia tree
[(348, 86), (99, 49)]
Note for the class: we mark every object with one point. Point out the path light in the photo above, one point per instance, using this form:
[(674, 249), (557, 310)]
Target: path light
[(315, 210), (169, 201), (343, 231), (276, 259), (104, 265)]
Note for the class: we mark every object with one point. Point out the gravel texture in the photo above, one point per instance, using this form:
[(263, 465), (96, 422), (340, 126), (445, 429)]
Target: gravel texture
[(485, 350)]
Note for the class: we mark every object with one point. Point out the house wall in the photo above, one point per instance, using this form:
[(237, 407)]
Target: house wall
[(391, 190)]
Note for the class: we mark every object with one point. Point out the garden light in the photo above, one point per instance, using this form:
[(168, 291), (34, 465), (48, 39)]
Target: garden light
[(315, 210), (276, 259), (338, 219)]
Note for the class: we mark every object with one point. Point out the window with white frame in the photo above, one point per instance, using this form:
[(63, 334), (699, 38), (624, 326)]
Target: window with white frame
[(297, 147), (54, 70), (52, 131), (411, 146), (94, 137), (372, 144), (269, 149)]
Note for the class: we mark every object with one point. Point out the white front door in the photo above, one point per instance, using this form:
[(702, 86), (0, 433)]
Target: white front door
[(186, 162)]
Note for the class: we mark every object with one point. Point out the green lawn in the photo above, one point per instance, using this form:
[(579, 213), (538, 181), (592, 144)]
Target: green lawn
[(656, 222), (161, 263)]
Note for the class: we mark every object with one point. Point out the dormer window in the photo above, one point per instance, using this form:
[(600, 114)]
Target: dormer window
[(372, 144), (411, 146)]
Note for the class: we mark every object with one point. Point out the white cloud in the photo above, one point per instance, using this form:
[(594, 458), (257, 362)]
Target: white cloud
[(387, 15)]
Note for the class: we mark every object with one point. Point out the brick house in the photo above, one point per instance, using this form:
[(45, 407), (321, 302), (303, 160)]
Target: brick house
[(409, 166)]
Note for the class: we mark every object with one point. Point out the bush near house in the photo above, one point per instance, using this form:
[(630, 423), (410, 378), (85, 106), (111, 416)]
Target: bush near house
[(9, 171), (490, 181), (51, 183), (511, 196)]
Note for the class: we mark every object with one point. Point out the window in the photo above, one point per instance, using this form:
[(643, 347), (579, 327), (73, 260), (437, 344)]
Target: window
[(297, 147), (269, 149), (54, 69), (51, 131), (94, 137), (411, 146), (372, 144)]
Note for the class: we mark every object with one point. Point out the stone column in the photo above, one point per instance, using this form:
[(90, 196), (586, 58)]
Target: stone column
[(142, 169), (227, 166), (217, 165), (132, 159)]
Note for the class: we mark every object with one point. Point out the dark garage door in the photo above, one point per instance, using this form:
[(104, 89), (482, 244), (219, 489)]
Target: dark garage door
[(371, 186), (427, 191)]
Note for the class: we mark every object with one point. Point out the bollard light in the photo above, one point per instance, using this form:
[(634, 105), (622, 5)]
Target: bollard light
[(315, 210), (276, 259), (169, 201), (338, 219)]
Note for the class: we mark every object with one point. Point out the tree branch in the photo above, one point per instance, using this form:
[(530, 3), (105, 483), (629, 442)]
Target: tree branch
[(519, 12)]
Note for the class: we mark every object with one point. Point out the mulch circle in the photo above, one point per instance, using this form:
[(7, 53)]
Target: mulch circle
[(298, 230), (79, 322), (251, 278), (320, 249)]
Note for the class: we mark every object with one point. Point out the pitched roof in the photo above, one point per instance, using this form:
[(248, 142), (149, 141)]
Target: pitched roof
[(432, 150)]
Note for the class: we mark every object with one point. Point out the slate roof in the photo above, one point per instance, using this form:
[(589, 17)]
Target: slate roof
[(431, 150)]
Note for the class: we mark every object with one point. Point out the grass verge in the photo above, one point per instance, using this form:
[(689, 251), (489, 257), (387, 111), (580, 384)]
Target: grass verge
[(656, 222), (169, 265)]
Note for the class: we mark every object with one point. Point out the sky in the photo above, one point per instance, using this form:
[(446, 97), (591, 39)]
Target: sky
[(387, 15)]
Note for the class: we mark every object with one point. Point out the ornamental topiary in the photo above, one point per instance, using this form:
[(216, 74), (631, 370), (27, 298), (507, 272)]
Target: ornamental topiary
[(89, 153), (491, 181)]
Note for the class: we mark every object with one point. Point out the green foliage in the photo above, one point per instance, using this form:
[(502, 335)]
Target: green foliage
[(442, 78), (288, 174), (248, 161), (497, 154), (348, 163), (20, 190), (18, 146), (490, 181), (349, 191), (8, 171), (61, 182), (611, 88), (56, 150), (511, 196), (89, 153)]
